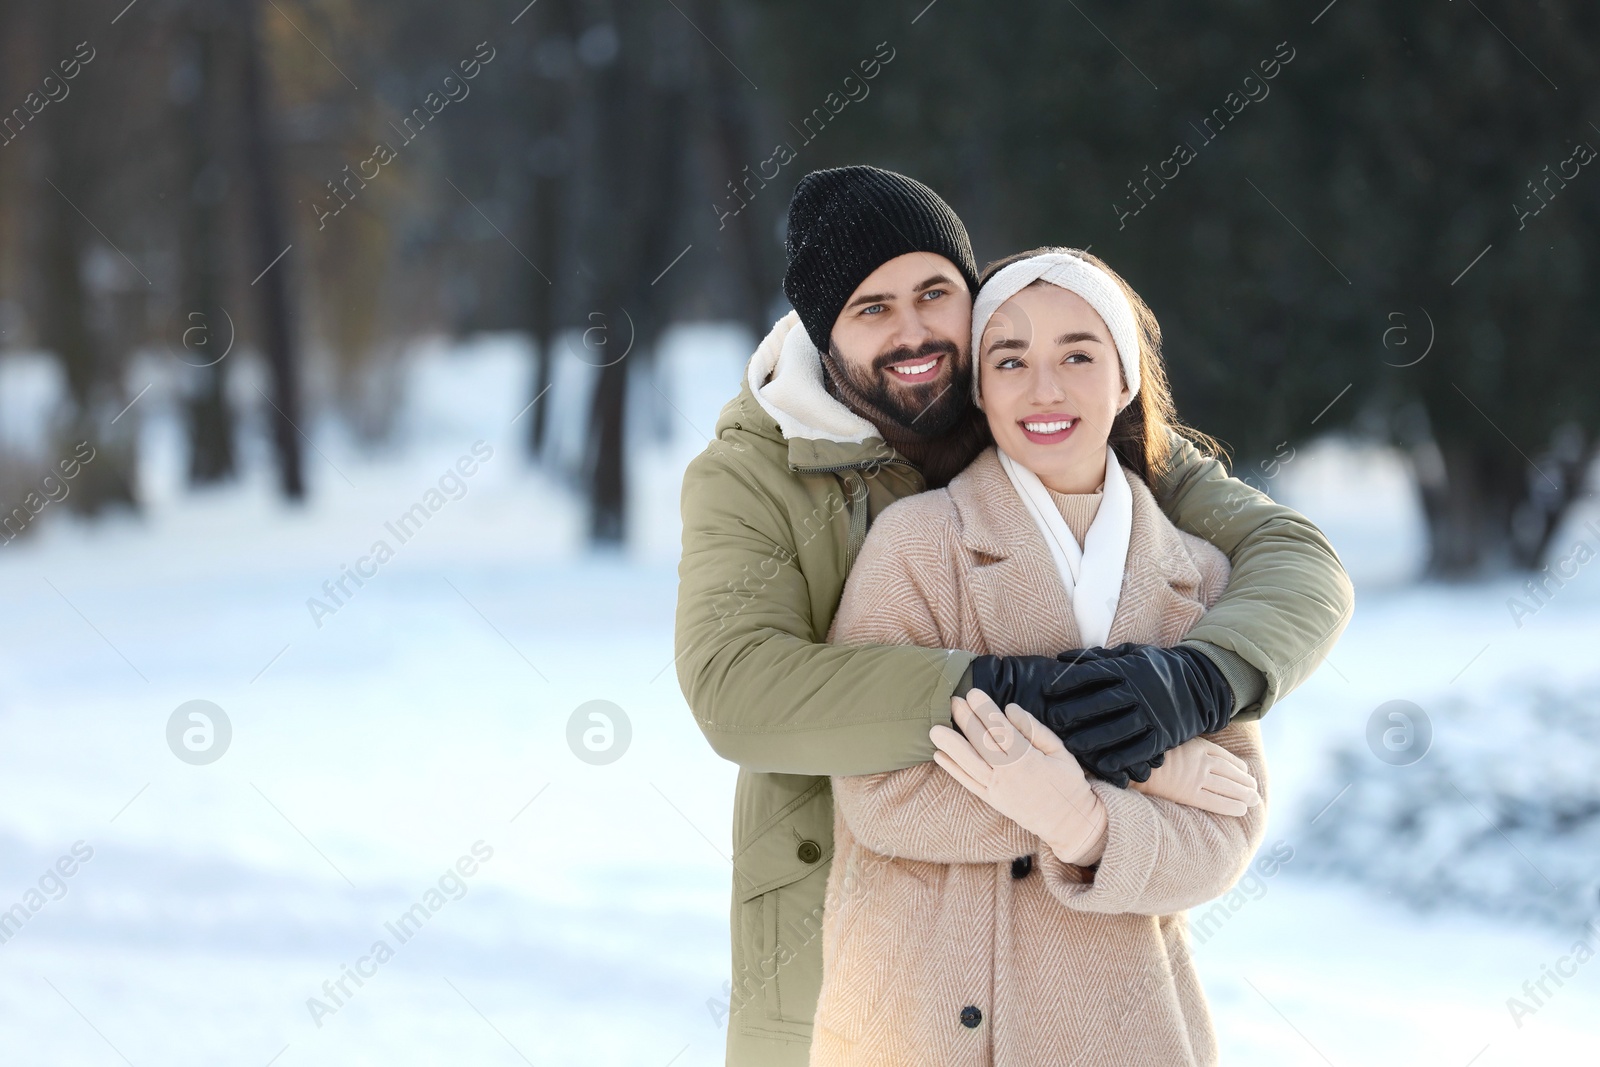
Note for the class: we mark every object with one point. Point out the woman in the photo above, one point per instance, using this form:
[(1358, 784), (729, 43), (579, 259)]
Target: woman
[(1001, 907)]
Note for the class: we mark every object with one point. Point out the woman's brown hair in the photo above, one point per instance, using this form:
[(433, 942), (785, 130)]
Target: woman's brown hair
[(1139, 432)]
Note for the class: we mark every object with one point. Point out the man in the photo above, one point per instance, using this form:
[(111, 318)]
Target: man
[(855, 400)]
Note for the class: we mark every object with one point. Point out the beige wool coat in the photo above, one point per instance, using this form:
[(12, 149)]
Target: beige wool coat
[(952, 937)]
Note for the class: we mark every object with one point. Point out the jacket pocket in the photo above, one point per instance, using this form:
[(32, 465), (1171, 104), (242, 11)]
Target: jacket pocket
[(780, 878)]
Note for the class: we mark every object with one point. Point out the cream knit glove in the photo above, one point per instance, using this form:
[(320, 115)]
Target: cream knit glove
[(1203, 775), (1019, 767)]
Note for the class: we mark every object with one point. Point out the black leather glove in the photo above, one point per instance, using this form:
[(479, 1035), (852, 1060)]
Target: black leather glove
[(1118, 710)]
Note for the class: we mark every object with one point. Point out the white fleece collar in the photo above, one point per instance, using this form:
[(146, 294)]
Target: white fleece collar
[(795, 396)]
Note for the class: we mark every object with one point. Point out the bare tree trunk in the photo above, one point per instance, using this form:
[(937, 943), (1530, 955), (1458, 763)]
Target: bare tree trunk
[(206, 333), (68, 175), (615, 227), (643, 106), (547, 196), (70, 168), (549, 199), (1567, 465), (607, 480), (275, 313), (65, 324), (1494, 508), (732, 149), (1469, 510)]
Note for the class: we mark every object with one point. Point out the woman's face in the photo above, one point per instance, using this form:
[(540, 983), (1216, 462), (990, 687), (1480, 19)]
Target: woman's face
[(1051, 384)]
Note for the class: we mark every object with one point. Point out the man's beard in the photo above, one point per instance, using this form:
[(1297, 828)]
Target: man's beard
[(930, 417)]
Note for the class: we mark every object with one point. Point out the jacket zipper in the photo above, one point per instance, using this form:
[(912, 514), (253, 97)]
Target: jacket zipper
[(857, 535)]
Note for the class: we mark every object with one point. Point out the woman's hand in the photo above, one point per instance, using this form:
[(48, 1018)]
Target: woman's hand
[(1118, 709), (1203, 775), (1019, 767)]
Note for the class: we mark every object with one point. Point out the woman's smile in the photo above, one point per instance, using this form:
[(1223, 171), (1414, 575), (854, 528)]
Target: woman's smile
[(1048, 428)]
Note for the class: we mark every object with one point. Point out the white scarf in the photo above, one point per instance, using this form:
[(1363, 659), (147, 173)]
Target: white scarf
[(1092, 574)]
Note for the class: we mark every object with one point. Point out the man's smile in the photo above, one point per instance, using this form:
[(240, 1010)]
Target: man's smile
[(919, 369)]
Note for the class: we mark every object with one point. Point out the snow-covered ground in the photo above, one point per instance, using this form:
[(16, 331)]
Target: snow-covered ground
[(423, 721)]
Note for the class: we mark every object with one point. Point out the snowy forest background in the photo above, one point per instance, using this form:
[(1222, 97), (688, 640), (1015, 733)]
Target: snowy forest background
[(271, 271)]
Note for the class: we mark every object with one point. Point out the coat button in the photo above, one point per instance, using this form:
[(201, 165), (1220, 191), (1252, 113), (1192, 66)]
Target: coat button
[(971, 1016), (809, 852), (1021, 866)]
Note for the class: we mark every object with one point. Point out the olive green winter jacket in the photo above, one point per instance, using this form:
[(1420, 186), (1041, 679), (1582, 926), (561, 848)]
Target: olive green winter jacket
[(771, 524)]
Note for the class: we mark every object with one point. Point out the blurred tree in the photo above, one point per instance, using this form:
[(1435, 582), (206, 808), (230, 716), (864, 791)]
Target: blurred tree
[(1313, 212), (198, 91), (72, 145), (733, 146), (359, 321), (1294, 193), (548, 74), (1431, 179), (271, 243), (639, 88)]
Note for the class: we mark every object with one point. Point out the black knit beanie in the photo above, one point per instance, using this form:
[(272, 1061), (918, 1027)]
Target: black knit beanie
[(846, 223)]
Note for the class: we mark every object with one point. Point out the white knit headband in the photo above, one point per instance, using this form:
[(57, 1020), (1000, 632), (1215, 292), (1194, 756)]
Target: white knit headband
[(1074, 275)]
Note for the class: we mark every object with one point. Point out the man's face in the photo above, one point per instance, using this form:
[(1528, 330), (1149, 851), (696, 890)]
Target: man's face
[(902, 342)]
